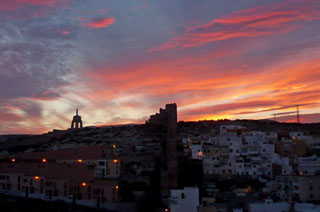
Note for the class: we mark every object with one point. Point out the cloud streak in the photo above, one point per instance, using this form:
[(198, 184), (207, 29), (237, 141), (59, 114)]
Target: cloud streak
[(11, 5), (99, 23), (249, 23)]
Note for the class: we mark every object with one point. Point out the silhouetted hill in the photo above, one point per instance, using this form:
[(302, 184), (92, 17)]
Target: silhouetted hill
[(128, 135)]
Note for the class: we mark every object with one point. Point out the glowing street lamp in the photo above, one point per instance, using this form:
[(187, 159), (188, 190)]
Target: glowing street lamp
[(115, 161), (13, 160), (44, 160), (117, 187), (84, 184), (36, 177), (79, 160)]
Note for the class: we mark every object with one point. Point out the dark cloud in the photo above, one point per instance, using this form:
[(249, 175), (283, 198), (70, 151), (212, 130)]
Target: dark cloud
[(31, 67), (29, 9)]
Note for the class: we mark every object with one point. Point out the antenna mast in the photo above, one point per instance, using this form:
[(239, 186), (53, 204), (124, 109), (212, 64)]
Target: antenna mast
[(298, 114)]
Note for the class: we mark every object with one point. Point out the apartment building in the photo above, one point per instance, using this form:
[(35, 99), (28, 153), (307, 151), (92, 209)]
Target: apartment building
[(103, 159), (308, 165), (85, 175), (300, 188)]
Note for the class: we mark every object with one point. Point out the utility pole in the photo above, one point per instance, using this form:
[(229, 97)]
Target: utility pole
[(298, 114)]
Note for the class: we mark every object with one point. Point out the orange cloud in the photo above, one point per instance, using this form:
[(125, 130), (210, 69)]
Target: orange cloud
[(99, 23), (280, 88)]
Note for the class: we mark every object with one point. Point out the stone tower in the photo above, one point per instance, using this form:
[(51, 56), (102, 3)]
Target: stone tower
[(166, 120), (76, 121)]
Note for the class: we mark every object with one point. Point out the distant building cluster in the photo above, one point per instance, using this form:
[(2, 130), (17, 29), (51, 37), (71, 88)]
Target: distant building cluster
[(282, 162), (166, 166)]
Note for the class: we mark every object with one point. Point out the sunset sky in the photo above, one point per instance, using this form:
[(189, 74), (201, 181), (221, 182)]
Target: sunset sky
[(118, 61)]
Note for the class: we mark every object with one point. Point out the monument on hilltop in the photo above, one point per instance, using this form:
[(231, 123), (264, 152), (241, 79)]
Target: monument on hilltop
[(76, 121)]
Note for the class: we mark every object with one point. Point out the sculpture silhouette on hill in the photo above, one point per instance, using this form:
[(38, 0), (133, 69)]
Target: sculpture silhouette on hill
[(76, 121)]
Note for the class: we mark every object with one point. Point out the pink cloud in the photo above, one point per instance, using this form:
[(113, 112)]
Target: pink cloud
[(304, 118), (64, 32), (99, 23), (253, 22)]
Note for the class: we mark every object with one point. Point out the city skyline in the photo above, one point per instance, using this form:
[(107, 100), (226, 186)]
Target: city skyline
[(118, 61)]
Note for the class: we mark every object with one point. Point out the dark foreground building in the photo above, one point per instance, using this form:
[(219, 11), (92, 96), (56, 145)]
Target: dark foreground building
[(166, 120)]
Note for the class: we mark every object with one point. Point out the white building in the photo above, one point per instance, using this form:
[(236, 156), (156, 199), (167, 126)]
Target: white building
[(230, 129), (309, 165), (184, 200), (269, 206), (306, 207), (247, 153)]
